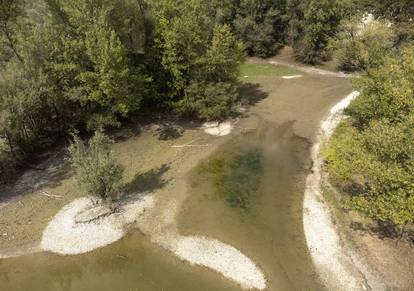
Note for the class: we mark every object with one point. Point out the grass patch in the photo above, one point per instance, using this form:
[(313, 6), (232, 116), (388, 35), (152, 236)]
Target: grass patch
[(255, 70), (236, 178)]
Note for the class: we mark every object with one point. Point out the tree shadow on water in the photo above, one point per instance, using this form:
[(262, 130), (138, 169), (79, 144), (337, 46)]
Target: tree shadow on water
[(251, 93), (148, 181)]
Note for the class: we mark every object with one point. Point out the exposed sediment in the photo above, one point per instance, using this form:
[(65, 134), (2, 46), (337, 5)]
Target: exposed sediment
[(336, 268), (64, 235)]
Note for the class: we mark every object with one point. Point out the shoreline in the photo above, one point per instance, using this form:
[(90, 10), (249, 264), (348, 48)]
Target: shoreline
[(337, 267), (156, 218)]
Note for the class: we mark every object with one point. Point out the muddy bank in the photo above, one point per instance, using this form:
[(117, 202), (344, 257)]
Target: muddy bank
[(348, 259)]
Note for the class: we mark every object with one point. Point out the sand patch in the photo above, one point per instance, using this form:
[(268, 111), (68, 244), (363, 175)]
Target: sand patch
[(220, 257), (335, 267), (65, 236), (218, 128), (291, 77)]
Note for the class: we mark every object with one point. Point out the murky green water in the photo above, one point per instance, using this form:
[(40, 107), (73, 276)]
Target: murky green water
[(269, 228), (134, 263), (264, 221)]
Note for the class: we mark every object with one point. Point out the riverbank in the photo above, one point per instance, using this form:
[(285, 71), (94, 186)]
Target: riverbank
[(336, 269), (347, 258)]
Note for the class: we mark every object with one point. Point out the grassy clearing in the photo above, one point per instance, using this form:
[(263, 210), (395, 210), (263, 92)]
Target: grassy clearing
[(256, 70)]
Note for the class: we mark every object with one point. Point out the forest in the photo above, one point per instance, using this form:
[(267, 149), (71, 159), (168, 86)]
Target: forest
[(83, 66)]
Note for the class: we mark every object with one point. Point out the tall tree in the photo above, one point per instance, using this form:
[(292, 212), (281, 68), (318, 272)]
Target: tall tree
[(198, 55), (312, 30), (262, 25)]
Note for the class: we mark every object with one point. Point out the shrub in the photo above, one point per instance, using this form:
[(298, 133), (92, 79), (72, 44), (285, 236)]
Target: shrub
[(360, 46), (96, 170)]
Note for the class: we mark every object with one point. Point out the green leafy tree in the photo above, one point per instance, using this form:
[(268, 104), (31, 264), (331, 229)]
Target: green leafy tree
[(213, 95), (198, 55), (399, 12), (11, 12), (359, 46), (371, 155), (318, 22), (261, 25), (386, 92), (104, 74), (96, 170)]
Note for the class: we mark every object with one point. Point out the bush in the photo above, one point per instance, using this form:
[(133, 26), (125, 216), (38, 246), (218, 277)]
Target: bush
[(96, 170), (360, 46), (386, 92), (375, 168)]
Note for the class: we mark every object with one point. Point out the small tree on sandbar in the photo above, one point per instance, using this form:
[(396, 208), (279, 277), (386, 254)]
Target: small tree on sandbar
[(96, 170)]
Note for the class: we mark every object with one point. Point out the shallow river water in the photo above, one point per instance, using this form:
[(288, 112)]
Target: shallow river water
[(267, 227)]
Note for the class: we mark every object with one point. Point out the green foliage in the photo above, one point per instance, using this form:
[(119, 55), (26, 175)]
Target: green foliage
[(394, 10), (387, 91), (86, 64), (11, 13), (96, 170), (103, 73), (399, 12), (237, 178), (201, 57), (262, 25), (318, 22), (359, 46), (213, 94), (224, 55), (212, 101), (371, 156)]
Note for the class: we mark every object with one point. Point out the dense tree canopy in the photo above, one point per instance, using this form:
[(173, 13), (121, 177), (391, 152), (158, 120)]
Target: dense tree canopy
[(89, 64), (358, 47), (315, 22), (262, 25), (372, 155)]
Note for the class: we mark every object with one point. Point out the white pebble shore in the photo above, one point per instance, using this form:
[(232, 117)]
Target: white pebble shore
[(64, 236), (333, 265), (220, 257)]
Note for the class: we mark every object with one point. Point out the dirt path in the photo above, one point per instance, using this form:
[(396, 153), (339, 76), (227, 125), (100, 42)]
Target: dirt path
[(310, 70)]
